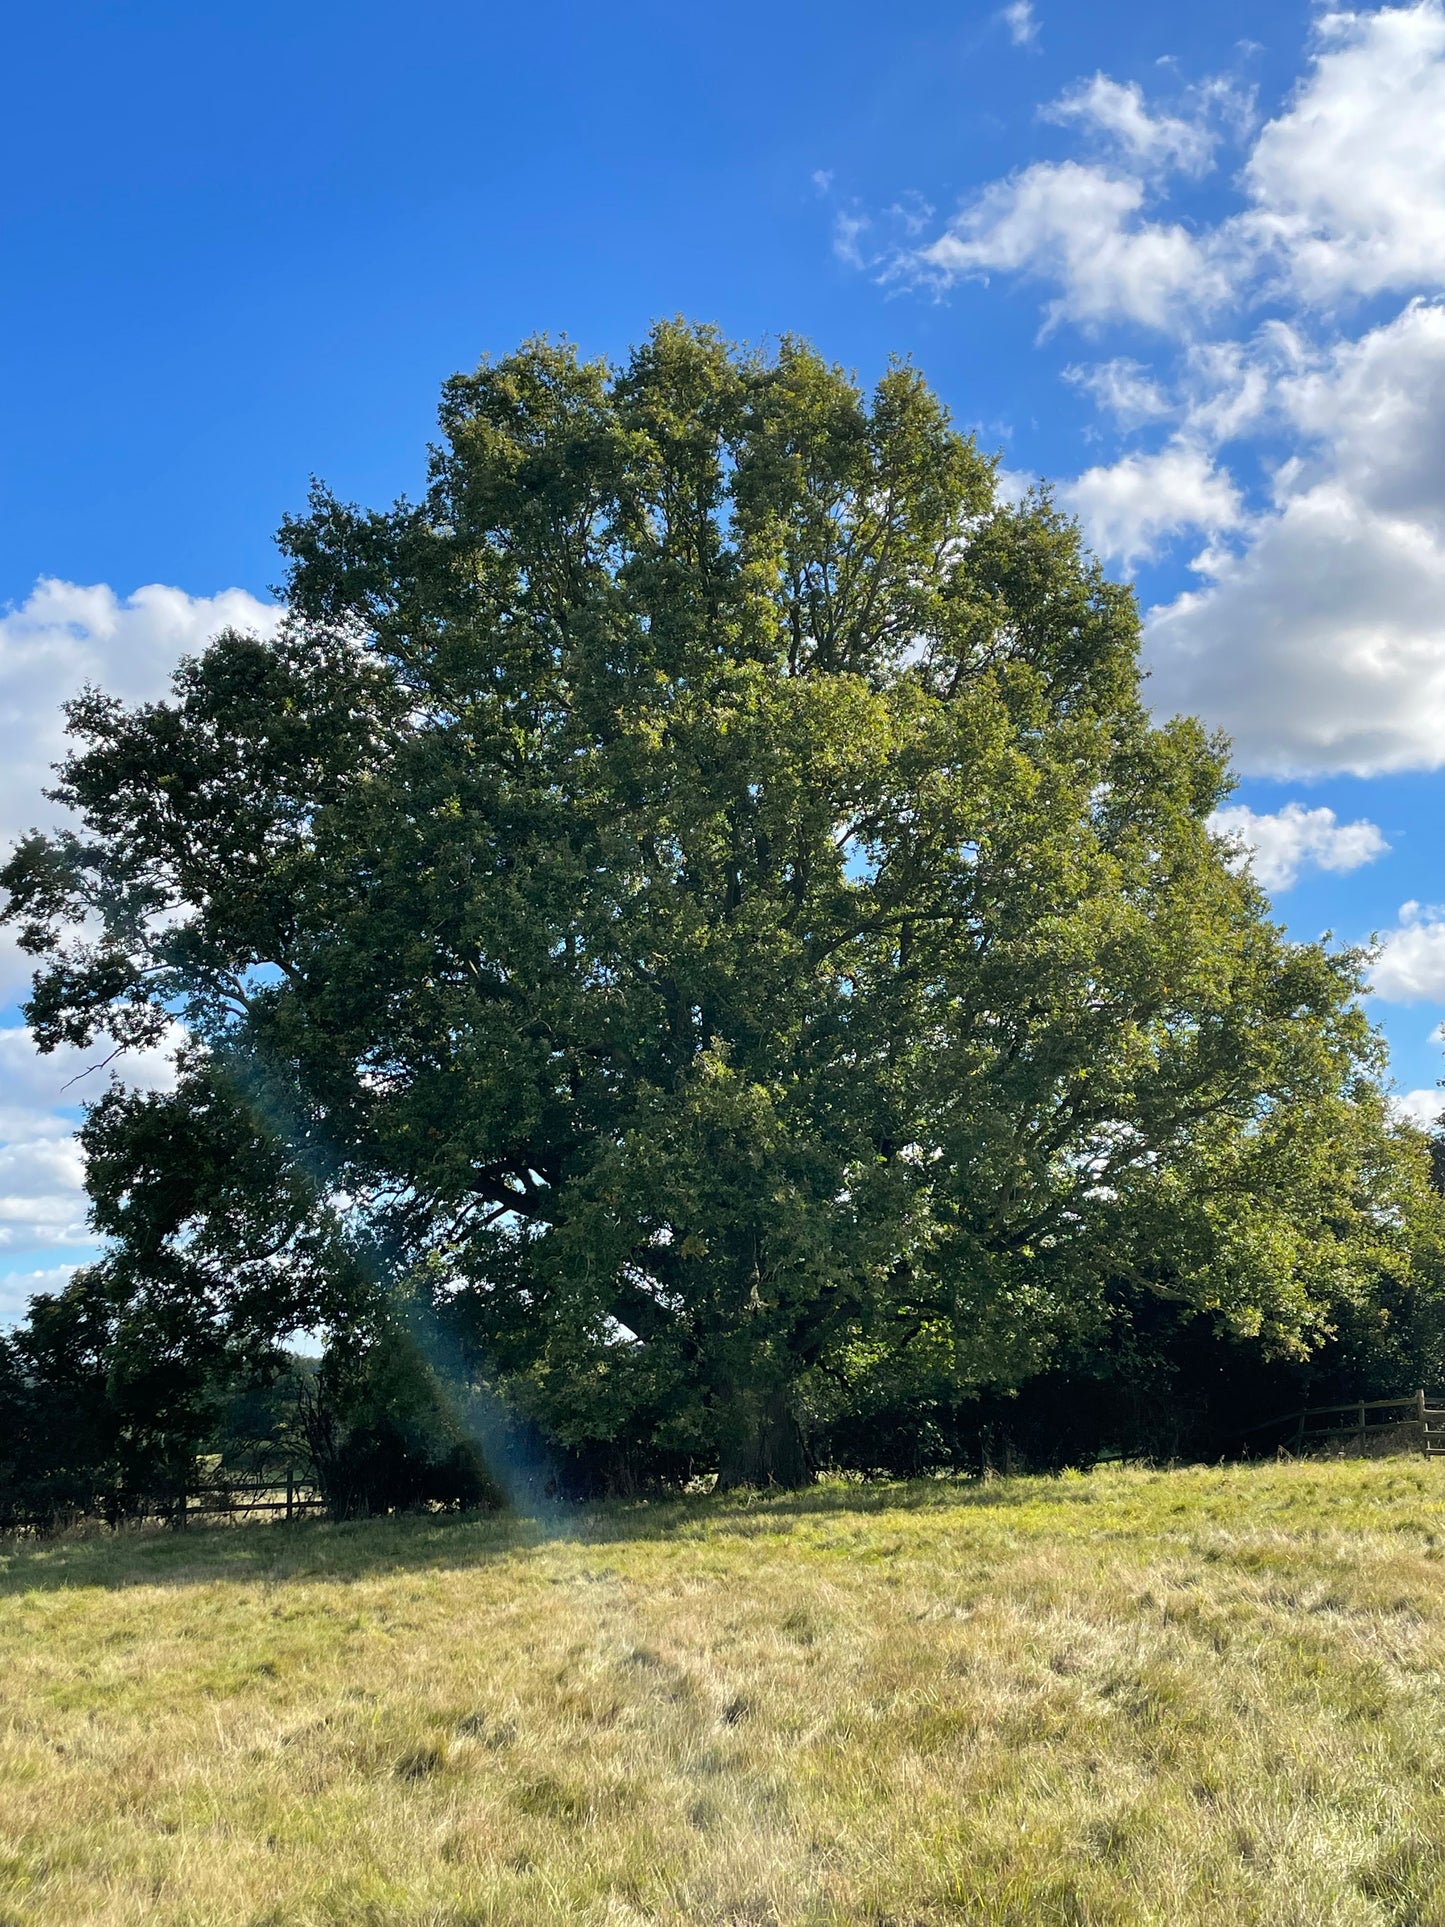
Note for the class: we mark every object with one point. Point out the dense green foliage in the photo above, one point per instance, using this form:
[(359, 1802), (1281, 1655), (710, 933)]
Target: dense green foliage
[(692, 929)]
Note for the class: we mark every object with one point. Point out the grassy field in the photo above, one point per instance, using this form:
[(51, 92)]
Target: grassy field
[(1175, 1697)]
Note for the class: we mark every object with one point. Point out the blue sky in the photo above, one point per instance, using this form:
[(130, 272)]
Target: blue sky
[(1183, 263)]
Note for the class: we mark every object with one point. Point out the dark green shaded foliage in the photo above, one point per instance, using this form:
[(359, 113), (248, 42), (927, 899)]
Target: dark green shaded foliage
[(381, 1434), (696, 910), (106, 1410)]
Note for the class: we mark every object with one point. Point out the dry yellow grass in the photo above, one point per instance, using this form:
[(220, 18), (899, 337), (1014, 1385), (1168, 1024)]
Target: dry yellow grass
[(1178, 1697)]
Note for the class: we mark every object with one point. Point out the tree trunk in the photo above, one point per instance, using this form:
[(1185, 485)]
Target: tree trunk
[(760, 1441)]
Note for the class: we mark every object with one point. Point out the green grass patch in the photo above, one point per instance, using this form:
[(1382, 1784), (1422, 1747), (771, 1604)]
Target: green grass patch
[(1202, 1696)]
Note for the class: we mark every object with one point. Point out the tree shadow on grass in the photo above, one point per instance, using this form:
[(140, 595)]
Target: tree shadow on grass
[(316, 1551)]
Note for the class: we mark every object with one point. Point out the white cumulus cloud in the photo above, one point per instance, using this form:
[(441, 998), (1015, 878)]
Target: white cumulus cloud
[(1411, 965), (1315, 633), (65, 635), (1278, 845), (1130, 506), (1348, 183), (42, 1199), (1320, 644), (1369, 415), (1420, 1108), (1080, 226)]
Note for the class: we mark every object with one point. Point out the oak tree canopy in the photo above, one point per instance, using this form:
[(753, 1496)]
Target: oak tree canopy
[(697, 905)]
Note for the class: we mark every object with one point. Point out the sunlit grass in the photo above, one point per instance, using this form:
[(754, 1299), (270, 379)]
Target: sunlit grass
[(1176, 1697)]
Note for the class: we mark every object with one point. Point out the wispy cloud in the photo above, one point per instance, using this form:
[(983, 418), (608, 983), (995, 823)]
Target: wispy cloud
[(848, 232), (1124, 389), (1019, 18), (1149, 141)]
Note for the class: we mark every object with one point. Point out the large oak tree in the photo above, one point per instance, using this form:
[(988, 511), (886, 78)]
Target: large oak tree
[(699, 903)]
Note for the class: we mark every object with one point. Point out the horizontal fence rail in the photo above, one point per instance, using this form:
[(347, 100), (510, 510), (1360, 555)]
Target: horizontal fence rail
[(218, 1498), (1358, 1420), (289, 1499)]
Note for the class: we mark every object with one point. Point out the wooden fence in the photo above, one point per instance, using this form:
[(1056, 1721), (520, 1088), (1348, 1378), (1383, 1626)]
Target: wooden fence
[(1359, 1422), (291, 1499), (219, 1498)]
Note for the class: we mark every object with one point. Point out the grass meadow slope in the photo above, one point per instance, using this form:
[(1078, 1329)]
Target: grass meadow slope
[(1167, 1697)]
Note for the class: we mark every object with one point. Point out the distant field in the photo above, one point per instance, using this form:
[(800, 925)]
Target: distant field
[(1197, 1696)]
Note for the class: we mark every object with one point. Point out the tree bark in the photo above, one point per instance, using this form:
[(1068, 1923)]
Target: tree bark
[(760, 1441)]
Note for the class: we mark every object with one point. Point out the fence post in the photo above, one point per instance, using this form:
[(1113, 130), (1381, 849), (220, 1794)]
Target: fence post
[(1362, 1425), (291, 1488)]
